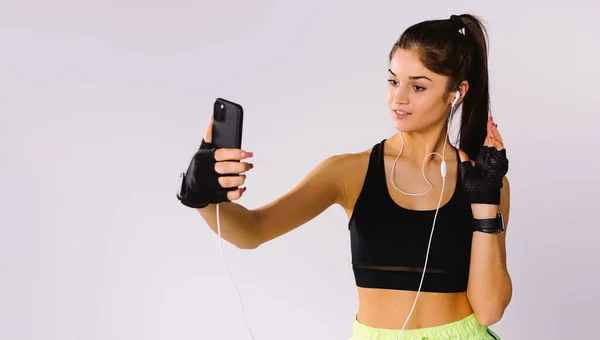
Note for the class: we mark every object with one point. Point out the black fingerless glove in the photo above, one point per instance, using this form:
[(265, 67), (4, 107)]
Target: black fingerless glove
[(200, 183), (483, 181)]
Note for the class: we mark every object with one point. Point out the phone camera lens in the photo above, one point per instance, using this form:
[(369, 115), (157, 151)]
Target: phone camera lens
[(219, 112)]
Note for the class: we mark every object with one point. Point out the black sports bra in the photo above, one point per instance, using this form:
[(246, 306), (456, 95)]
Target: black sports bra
[(389, 242)]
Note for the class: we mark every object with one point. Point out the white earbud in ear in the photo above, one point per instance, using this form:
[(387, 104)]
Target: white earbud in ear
[(457, 96)]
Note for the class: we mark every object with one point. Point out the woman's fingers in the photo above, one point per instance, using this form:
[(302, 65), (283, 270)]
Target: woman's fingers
[(227, 163), (495, 137), (497, 145), (488, 137), (463, 156), (488, 141), (208, 131), (225, 154), (229, 168), (232, 181), (235, 194)]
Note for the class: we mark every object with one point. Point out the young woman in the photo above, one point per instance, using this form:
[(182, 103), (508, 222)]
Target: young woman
[(427, 221)]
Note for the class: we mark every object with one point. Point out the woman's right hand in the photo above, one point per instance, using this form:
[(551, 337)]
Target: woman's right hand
[(214, 175)]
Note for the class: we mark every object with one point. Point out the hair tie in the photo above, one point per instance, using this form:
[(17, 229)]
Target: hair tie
[(458, 24)]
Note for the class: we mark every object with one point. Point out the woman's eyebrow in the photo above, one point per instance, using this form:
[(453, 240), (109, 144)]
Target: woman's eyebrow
[(411, 77)]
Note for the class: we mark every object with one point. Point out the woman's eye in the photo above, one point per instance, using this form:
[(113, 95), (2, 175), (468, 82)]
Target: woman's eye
[(418, 88), (393, 82)]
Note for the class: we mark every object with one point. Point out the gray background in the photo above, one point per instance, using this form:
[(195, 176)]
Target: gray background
[(103, 103)]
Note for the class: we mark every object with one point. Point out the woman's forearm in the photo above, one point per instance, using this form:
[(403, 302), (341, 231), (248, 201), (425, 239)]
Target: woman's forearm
[(490, 285)]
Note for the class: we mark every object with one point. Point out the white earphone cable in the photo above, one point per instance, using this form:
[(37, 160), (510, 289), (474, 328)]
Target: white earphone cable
[(443, 173), (426, 258)]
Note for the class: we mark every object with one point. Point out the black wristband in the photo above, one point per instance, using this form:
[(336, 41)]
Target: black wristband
[(489, 225)]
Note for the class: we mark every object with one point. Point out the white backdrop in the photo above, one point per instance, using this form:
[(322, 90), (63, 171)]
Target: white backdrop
[(103, 103)]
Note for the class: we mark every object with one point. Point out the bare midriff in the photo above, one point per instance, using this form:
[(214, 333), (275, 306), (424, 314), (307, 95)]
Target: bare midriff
[(387, 308)]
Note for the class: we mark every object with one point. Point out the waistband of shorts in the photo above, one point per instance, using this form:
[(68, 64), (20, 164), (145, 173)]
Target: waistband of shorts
[(468, 326)]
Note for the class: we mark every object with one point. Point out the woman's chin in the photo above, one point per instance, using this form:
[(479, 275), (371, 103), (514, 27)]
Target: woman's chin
[(401, 126), (401, 122)]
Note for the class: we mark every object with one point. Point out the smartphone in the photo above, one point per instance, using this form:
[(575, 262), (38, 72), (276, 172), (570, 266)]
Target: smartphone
[(228, 119)]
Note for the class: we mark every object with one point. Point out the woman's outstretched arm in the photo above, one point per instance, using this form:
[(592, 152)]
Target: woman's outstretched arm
[(247, 229)]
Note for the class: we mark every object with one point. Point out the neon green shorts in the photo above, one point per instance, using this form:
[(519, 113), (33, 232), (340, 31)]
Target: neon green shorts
[(466, 329)]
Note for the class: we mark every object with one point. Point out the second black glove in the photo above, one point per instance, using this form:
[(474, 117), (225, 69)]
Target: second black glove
[(483, 181)]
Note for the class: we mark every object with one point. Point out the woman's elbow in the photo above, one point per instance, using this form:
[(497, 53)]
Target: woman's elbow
[(489, 311), (249, 244), (489, 317)]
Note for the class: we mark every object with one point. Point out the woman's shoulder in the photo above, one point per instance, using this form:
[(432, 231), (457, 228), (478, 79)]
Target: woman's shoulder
[(349, 163), (351, 158), (350, 169)]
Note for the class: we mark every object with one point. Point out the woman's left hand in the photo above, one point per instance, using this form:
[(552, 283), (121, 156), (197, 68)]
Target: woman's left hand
[(483, 180)]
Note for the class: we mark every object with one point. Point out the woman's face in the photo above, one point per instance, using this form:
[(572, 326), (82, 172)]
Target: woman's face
[(416, 96)]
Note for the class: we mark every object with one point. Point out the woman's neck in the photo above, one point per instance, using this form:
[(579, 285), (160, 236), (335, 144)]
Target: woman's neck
[(417, 145)]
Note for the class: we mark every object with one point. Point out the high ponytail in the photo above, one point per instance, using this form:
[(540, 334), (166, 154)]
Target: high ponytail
[(476, 104), (445, 50)]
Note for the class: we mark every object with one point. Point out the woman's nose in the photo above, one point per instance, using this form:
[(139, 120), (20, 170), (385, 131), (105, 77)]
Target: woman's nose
[(400, 95)]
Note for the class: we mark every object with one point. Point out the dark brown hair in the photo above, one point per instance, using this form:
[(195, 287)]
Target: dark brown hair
[(444, 50)]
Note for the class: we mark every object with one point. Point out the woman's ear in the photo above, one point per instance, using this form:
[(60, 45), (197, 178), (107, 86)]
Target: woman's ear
[(463, 87), (462, 90)]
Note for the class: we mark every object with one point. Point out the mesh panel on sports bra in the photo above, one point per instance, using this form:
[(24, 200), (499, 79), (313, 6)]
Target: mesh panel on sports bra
[(400, 268)]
